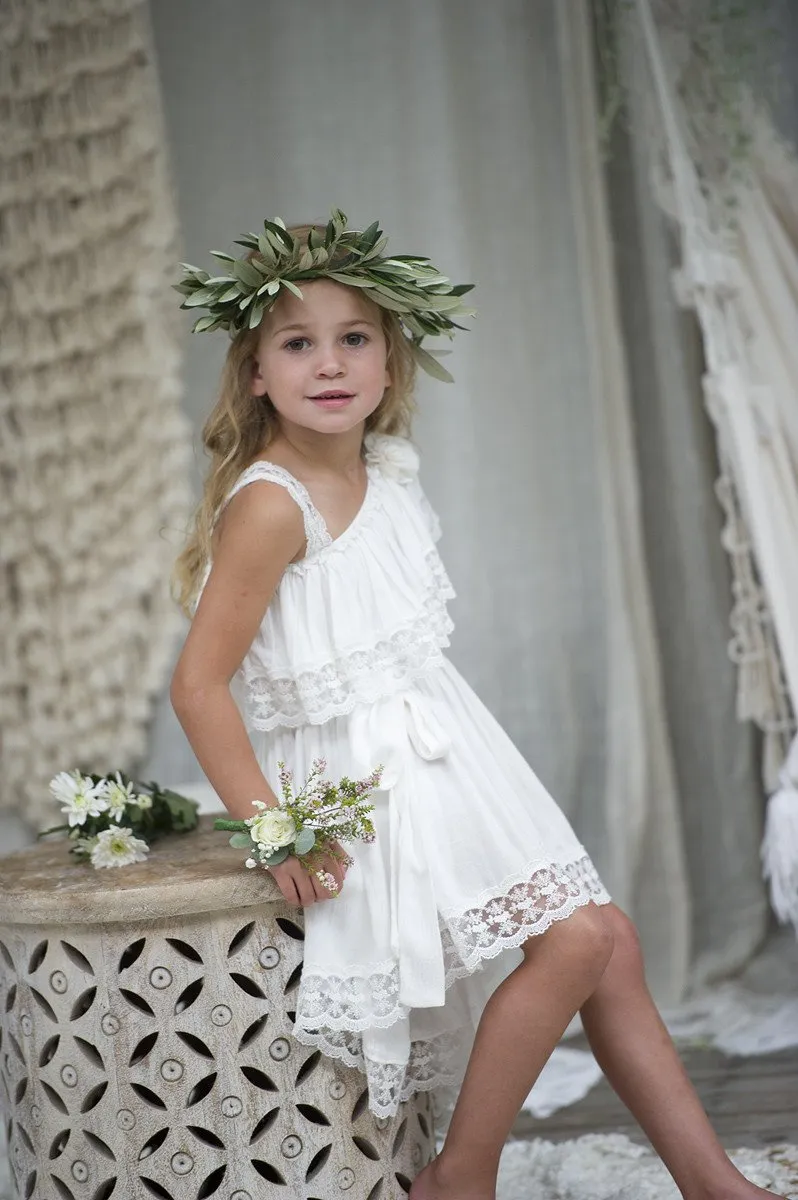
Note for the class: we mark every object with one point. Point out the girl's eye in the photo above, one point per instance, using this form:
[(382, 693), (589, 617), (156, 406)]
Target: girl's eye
[(295, 343), (355, 339)]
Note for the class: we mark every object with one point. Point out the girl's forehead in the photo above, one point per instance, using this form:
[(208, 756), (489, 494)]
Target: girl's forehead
[(323, 301)]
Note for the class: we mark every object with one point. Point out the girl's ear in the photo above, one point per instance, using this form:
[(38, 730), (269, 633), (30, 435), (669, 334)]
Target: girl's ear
[(258, 386)]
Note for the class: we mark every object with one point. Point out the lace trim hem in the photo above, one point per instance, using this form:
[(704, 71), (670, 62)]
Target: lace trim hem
[(333, 1010), (523, 905), (439, 1062), (502, 918)]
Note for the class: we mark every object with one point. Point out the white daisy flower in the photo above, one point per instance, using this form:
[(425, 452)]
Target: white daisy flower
[(117, 796), (79, 797), (118, 848)]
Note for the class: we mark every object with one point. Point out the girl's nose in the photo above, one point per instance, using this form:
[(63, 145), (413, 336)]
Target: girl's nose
[(330, 361)]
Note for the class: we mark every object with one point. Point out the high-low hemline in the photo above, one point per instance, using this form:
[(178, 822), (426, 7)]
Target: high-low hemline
[(391, 1084)]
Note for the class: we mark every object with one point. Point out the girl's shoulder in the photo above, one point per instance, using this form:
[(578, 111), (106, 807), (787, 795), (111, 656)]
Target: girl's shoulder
[(263, 470), (290, 498)]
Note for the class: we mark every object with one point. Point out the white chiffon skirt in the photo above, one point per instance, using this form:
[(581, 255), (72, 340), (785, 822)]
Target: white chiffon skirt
[(472, 857)]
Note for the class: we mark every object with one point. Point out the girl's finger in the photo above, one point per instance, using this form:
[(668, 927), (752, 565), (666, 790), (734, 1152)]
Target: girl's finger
[(332, 873), (319, 890), (285, 883), (304, 886), (338, 872), (287, 886), (343, 865)]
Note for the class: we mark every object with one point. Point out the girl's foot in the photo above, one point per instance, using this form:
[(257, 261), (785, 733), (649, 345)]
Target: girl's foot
[(742, 1189), (432, 1184), (733, 1185)]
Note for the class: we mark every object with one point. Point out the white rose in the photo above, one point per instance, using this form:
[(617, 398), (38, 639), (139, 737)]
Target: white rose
[(273, 828), (395, 456)]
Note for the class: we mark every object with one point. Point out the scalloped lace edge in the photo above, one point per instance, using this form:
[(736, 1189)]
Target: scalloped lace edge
[(390, 1084)]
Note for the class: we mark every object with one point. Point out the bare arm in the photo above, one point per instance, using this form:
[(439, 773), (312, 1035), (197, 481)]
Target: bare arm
[(260, 532)]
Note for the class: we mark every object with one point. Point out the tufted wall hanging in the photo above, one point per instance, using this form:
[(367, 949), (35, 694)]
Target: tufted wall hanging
[(93, 448)]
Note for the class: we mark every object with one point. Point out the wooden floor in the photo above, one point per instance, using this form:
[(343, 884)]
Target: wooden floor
[(752, 1102)]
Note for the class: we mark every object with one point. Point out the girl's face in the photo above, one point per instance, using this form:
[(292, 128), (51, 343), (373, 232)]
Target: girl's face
[(322, 360)]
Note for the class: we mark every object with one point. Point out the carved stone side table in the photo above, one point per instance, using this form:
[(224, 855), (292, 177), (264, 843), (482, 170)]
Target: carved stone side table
[(145, 1017)]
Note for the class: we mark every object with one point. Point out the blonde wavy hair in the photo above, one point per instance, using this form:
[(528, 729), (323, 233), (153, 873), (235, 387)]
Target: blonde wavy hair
[(242, 426)]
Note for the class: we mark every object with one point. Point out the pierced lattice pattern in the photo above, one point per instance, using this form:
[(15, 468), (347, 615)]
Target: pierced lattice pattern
[(160, 1062)]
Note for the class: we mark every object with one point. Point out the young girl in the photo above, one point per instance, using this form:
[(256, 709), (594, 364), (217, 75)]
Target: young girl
[(319, 630)]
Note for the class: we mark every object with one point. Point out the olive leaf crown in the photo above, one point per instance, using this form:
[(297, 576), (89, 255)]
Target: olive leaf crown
[(407, 284)]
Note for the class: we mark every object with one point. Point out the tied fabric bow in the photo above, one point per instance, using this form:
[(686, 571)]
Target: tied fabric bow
[(394, 729)]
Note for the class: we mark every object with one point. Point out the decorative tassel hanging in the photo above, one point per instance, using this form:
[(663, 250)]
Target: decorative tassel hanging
[(780, 843)]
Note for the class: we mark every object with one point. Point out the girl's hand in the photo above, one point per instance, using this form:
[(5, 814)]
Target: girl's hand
[(301, 886)]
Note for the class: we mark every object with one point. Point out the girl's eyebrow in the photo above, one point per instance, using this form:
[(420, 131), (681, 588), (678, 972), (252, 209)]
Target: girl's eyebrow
[(300, 328)]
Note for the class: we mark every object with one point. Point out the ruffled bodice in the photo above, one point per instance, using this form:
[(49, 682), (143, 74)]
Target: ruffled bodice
[(361, 616)]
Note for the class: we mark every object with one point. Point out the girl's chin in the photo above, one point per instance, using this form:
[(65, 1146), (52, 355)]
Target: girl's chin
[(330, 420)]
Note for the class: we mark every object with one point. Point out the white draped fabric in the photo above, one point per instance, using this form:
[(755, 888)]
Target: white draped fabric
[(606, 665), (470, 132), (741, 278)]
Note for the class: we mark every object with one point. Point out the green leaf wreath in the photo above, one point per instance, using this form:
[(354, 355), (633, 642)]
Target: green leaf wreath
[(276, 261)]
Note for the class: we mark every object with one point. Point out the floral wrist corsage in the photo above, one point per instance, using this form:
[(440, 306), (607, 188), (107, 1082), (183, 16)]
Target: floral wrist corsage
[(309, 824)]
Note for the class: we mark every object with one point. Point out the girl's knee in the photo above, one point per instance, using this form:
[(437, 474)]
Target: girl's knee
[(586, 935), (590, 927), (626, 940)]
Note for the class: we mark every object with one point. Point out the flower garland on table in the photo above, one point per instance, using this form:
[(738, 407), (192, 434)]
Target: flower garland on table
[(110, 816)]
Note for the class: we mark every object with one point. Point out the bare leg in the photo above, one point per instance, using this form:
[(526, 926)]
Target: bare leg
[(635, 1051), (522, 1023), (590, 961)]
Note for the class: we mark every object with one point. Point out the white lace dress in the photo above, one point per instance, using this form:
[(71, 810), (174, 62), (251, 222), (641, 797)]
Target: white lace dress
[(472, 855)]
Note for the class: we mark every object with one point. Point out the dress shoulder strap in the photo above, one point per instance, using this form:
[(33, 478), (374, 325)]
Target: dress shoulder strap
[(316, 532)]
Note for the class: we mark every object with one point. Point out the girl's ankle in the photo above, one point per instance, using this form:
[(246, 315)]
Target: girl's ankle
[(454, 1171), (728, 1184)]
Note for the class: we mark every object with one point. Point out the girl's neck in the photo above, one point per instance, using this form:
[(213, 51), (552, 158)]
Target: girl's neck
[(337, 452)]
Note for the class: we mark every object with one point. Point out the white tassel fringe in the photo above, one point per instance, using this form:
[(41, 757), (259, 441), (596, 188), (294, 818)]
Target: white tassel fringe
[(780, 843)]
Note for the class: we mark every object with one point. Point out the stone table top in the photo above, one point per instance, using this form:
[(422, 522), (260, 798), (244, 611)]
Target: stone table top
[(184, 873)]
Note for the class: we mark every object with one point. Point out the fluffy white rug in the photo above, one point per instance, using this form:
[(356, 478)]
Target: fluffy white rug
[(603, 1167), (610, 1167)]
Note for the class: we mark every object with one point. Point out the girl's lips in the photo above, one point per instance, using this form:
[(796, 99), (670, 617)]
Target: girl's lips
[(333, 400)]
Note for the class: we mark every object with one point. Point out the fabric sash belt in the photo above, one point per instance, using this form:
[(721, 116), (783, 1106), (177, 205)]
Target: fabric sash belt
[(391, 732)]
